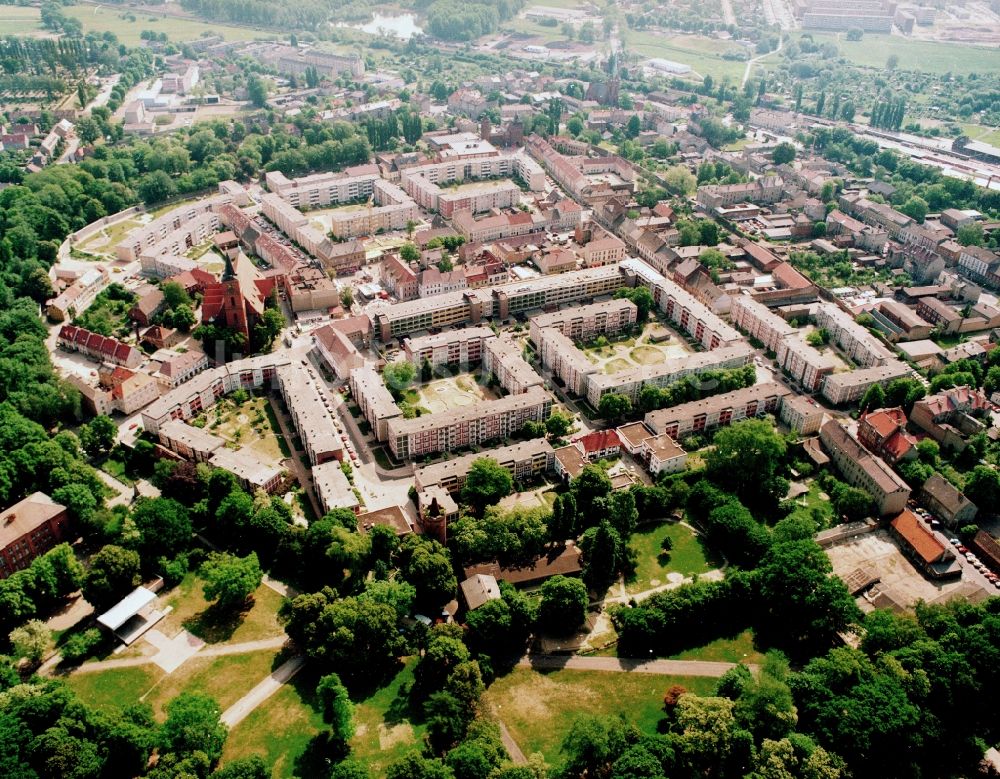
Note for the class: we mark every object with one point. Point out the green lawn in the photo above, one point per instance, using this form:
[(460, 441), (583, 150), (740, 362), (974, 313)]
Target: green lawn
[(539, 708), (813, 501), (739, 649), (226, 679), (977, 132), (385, 727), (193, 612), (114, 689), (112, 19), (928, 56), (279, 730), (688, 557), (703, 54)]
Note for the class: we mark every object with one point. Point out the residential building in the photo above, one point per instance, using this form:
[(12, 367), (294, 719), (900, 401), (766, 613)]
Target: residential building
[(309, 409), (333, 490), (599, 444), (337, 351), (717, 411), (525, 461), (945, 501), (804, 362), (767, 189), (664, 455), (802, 415), (883, 432), (584, 323), (374, 399), (30, 528), (850, 387), (939, 314), (855, 340), (437, 282), (194, 444), (462, 347), (567, 561), (502, 358), (98, 347), (861, 469), (399, 279), (479, 590), (952, 415), (466, 426), (202, 391), (79, 295), (900, 322), (250, 471)]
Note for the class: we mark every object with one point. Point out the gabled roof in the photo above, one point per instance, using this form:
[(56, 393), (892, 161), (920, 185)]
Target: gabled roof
[(919, 537)]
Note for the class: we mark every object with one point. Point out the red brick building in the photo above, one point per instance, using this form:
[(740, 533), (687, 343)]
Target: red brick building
[(29, 529)]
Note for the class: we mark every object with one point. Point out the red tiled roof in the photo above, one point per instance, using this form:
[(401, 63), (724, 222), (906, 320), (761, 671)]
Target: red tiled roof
[(918, 536), (599, 440)]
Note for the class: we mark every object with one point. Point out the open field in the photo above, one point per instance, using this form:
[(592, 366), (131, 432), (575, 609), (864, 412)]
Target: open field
[(111, 19), (977, 132), (703, 54), (20, 20), (688, 557), (539, 708), (928, 56), (247, 425), (279, 730)]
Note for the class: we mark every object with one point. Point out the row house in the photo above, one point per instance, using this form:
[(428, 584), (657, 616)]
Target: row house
[(98, 347)]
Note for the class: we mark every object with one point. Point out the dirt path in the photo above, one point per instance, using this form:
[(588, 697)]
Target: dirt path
[(267, 687), (627, 665)]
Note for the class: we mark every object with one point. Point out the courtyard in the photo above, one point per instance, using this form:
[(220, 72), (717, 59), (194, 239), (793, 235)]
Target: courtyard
[(654, 345), (448, 393), (246, 423)]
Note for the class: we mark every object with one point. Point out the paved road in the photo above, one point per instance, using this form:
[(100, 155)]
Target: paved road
[(236, 713), (624, 664)]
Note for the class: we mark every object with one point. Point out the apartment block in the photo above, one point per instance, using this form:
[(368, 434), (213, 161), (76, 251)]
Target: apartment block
[(524, 461), (502, 358), (467, 426), (717, 411), (203, 391), (630, 382), (855, 340), (333, 490), (471, 306), (250, 471), (801, 414), (561, 356), (861, 469), (584, 323), (309, 409), (194, 444), (30, 528), (804, 362), (849, 387), (399, 279), (98, 347), (759, 322), (79, 295), (183, 226), (374, 399), (324, 189), (451, 347)]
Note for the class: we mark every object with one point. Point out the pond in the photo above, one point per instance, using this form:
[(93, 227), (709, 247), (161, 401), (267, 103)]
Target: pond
[(403, 26)]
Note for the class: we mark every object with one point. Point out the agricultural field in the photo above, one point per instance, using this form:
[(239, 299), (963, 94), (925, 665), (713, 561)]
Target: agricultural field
[(928, 56), (703, 54), (101, 19), (20, 20), (539, 708)]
